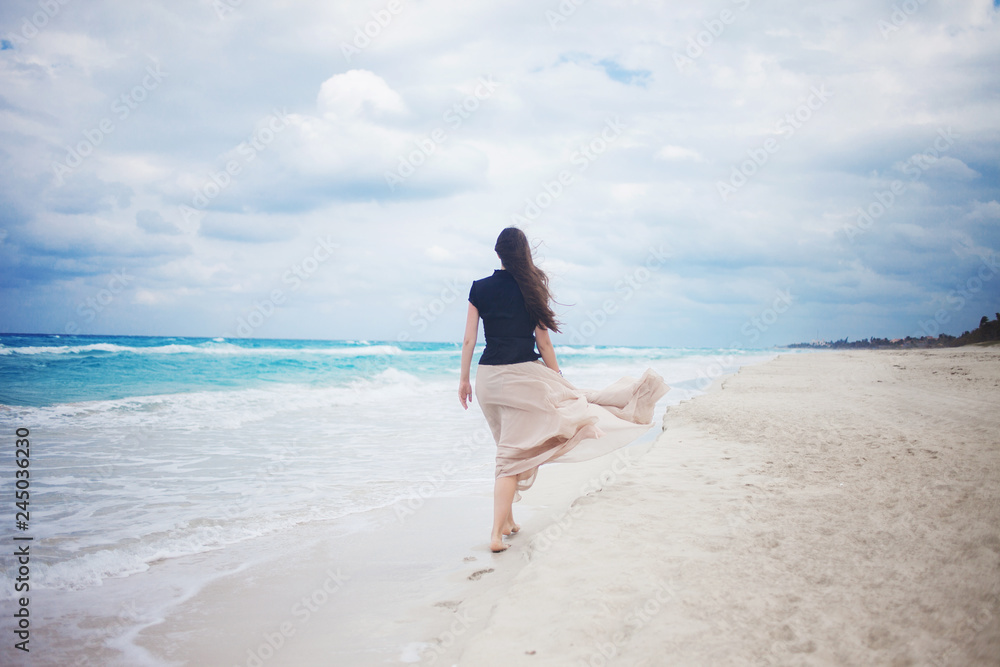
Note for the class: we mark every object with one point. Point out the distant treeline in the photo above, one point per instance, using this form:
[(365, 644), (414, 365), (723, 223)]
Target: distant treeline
[(988, 330)]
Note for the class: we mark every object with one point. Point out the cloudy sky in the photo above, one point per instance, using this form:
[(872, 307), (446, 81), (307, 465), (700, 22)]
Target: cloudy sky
[(735, 172)]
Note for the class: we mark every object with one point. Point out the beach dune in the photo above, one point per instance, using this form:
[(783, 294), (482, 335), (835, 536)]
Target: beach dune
[(819, 509)]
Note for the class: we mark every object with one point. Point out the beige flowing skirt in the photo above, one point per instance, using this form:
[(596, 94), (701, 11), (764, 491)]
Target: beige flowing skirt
[(537, 416)]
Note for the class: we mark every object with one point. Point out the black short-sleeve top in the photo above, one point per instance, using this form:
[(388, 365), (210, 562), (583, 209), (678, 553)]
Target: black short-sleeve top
[(509, 330)]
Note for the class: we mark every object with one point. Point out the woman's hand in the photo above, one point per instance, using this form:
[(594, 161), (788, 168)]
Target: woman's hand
[(546, 349), (468, 345), (465, 393)]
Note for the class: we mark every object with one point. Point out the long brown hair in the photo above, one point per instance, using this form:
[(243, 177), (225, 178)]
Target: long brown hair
[(515, 253)]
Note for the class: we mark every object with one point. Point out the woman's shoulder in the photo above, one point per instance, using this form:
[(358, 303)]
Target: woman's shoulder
[(497, 275)]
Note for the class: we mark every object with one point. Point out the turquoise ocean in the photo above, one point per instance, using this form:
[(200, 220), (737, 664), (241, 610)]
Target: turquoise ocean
[(145, 449)]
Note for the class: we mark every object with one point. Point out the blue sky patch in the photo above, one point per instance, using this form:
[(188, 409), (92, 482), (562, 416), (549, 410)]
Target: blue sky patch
[(638, 77)]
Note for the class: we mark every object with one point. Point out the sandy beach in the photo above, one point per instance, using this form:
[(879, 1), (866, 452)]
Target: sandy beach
[(830, 508), (820, 509)]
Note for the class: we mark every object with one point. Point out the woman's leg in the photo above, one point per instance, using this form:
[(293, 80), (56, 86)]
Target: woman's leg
[(509, 527), (503, 498)]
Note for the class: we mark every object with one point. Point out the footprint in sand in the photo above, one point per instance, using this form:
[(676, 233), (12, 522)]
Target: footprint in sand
[(478, 574)]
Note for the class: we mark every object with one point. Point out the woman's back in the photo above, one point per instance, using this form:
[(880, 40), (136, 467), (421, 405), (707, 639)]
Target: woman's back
[(509, 329)]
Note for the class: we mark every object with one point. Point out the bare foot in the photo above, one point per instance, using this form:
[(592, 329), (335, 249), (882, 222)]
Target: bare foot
[(511, 528), (497, 545)]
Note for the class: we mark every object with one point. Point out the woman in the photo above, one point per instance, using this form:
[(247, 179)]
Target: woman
[(535, 415)]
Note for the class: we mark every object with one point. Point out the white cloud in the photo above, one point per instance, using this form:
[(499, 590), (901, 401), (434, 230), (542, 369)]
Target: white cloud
[(949, 167), (985, 210), (346, 125), (679, 153), (438, 254), (358, 94)]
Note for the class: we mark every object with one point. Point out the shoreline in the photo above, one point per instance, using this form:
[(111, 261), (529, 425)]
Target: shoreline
[(390, 591), (388, 586), (99, 615)]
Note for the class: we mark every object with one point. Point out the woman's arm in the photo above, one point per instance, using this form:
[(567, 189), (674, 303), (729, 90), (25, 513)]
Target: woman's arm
[(468, 346), (545, 348)]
